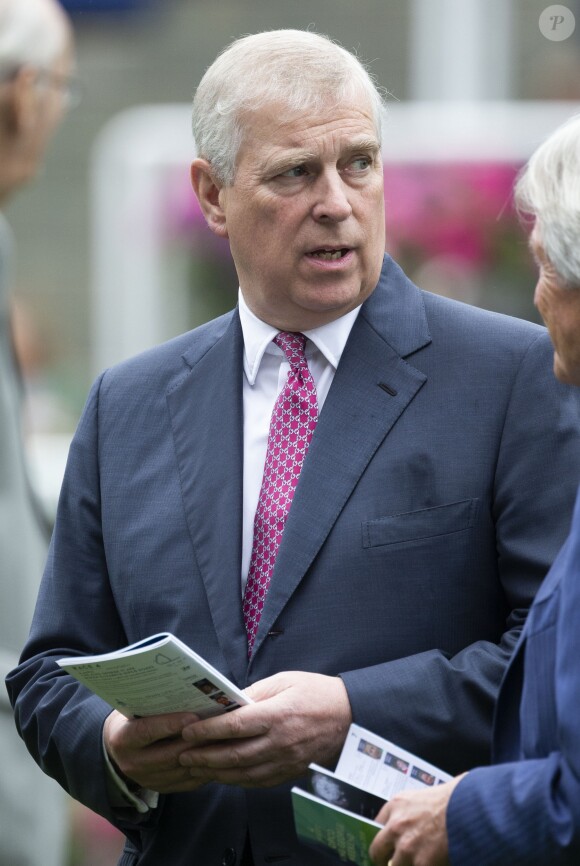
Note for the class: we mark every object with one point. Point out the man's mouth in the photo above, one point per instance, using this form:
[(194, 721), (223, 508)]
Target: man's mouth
[(329, 255)]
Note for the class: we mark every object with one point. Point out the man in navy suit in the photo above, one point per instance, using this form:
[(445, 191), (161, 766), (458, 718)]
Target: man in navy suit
[(411, 551), (525, 811)]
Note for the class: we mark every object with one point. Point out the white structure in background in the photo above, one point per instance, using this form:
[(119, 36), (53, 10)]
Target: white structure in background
[(130, 167), (461, 49)]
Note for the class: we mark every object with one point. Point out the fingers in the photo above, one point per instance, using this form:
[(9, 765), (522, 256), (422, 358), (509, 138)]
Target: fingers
[(146, 751), (415, 828), (243, 723), (139, 733), (240, 752), (248, 762), (233, 753), (382, 847), (297, 718), (383, 815), (244, 748), (381, 850)]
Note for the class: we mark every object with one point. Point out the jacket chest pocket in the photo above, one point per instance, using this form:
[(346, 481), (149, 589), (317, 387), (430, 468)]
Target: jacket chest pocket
[(424, 523)]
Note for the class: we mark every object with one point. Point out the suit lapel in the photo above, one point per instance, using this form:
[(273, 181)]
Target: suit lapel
[(206, 414), (372, 387)]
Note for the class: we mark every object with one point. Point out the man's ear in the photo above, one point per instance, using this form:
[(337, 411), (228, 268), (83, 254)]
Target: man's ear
[(207, 190)]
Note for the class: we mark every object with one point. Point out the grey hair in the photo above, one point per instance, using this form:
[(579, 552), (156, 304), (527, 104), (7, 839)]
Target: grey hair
[(301, 69), (31, 32), (549, 190)]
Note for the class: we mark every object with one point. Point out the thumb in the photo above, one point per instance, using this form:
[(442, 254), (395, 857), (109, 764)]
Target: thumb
[(268, 688)]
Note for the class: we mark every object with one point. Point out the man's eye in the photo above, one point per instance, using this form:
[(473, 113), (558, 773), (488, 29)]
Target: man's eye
[(295, 171), (361, 163)]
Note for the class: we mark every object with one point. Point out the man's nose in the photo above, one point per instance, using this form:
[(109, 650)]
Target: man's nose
[(331, 198)]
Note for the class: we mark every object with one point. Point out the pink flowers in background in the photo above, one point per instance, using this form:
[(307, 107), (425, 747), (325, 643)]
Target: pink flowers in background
[(454, 230), (448, 209)]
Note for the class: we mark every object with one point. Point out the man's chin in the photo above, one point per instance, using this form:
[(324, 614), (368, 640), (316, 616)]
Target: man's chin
[(331, 309)]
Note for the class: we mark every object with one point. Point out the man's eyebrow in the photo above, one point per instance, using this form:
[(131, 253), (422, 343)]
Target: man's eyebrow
[(291, 157), (287, 160), (368, 144)]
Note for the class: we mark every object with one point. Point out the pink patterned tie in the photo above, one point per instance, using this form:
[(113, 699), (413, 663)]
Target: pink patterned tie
[(292, 424)]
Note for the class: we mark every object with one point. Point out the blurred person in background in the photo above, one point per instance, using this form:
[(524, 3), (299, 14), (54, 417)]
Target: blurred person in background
[(524, 810), (381, 572), (36, 60)]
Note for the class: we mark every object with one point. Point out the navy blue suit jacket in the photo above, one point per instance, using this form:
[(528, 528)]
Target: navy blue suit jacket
[(434, 496), (527, 810)]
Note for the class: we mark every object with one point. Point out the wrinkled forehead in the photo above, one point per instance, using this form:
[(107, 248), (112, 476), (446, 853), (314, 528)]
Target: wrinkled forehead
[(279, 122)]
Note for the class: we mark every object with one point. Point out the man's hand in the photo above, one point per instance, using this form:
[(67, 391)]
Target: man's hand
[(146, 751), (415, 832), (297, 718)]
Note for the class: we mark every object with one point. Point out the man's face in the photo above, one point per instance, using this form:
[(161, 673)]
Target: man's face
[(305, 214), (560, 310)]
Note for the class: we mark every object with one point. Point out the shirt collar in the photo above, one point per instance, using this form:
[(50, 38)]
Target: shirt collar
[(329, 339)]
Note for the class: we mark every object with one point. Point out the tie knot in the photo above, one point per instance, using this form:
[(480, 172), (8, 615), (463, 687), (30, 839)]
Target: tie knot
[(293, 346)]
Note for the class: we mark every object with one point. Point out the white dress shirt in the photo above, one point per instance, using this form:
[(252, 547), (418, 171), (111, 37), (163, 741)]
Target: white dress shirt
[(265, 373)]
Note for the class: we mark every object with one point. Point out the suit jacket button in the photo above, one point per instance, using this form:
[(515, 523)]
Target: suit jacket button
[(229, 858)]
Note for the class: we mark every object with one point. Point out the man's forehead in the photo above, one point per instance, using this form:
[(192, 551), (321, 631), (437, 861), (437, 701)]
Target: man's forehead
[(278, 119), (309, 134)]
